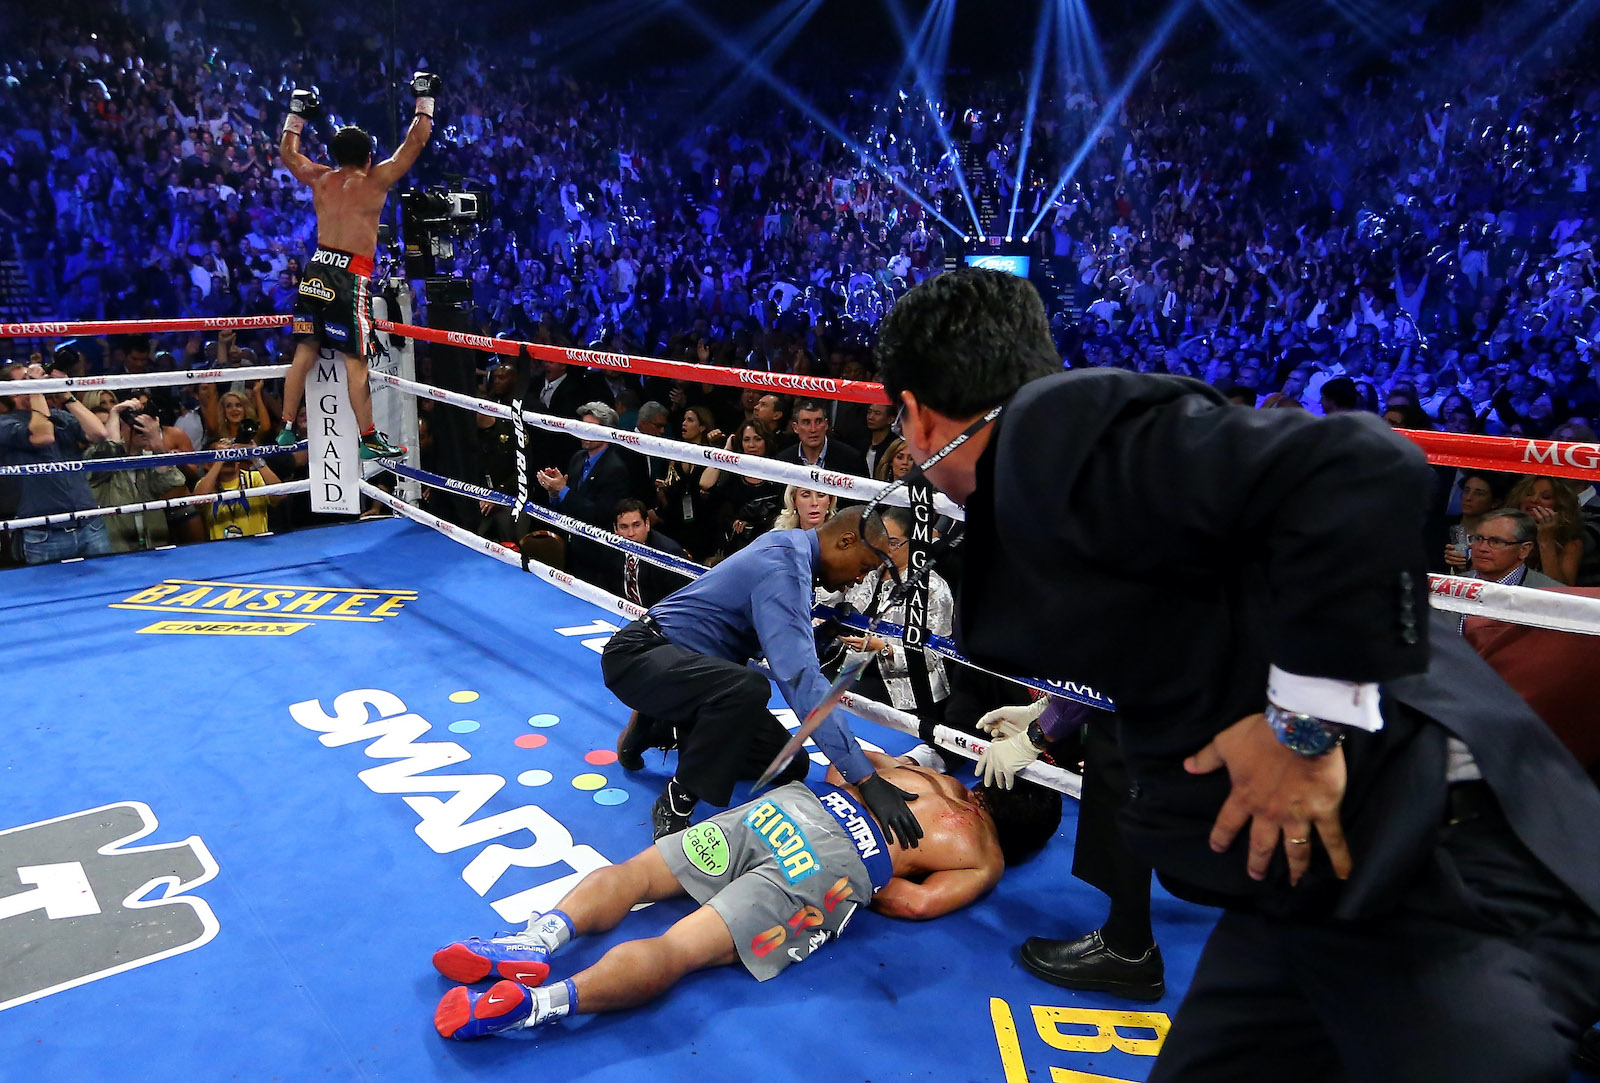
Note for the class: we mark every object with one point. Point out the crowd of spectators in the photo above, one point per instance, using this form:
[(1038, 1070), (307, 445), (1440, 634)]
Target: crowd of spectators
[(1410, 232)]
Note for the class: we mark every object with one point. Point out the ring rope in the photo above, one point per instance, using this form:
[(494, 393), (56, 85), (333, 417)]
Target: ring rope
[(142, 380), (62, 517), (1521, 605), (940, 645), (846, 485), (150, 462), (963, 744), (1558, 458), (1542, 608)]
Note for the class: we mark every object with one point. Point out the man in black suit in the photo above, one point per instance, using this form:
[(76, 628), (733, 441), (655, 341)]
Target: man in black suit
[(815, 448), (635, 579), (645, 470), (560, 392), (1417, 895), (595, 480)]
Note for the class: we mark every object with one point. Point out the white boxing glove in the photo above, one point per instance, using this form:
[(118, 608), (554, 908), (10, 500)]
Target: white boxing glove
[(1010, 721), (1002, 760)]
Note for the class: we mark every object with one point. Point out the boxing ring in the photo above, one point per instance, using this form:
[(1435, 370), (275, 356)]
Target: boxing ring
[(388, 743)]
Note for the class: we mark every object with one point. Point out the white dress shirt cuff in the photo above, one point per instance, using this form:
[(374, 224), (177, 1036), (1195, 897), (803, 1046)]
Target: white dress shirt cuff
[(1345, 702)]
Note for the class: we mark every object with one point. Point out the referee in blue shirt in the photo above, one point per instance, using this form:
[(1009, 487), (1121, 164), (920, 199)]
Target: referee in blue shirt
[(683, 665)]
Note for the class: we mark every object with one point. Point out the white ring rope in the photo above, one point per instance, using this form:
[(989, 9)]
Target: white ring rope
[(62, 517), (963, 744), (1542, 608), (143, 380), (756, 466), (1519, 605), (1473, 597)]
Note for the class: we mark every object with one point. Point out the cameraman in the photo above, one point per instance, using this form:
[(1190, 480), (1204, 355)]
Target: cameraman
[(241, 516), (35, 432), (131, 429)]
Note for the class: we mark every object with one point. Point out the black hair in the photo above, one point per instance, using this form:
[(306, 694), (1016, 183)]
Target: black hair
[(1341, 393), (627, 505), (1025, 817), (350, 146), (896, 514), (966, 340)]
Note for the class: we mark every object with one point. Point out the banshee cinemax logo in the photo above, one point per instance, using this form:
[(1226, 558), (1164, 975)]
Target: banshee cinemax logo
[(78, 903)]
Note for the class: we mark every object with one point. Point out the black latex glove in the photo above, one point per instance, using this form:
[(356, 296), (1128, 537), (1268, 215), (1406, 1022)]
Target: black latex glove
[(890, 804)]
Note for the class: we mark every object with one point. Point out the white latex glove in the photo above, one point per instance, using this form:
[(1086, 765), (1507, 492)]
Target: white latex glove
[(1002, 760), (1010, 721)]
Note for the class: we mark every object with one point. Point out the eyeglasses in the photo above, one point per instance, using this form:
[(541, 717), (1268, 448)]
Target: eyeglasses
[(1493, 542), (897, 544)]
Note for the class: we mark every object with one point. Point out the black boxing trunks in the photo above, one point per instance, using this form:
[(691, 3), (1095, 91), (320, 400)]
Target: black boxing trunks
[(334, 304)]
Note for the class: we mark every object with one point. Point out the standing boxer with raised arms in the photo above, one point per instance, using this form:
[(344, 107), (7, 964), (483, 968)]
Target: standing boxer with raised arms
[(334, 308)]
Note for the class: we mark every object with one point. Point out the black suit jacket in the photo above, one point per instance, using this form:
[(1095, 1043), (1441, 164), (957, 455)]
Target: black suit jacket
[(838, 457), (1139, 535), (578, 387), (655, 582), (595, 498)]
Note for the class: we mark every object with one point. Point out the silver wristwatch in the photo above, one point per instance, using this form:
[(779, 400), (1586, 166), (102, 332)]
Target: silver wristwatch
[(1303, 733)]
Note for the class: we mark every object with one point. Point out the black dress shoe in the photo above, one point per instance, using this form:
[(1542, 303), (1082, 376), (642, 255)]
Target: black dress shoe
[(664, 819), (1089, 965), (632, 742), (1587, 1055)]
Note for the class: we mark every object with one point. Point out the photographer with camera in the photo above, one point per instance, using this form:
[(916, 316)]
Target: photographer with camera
[(36, 432), (133, 429), (333, 310), (242, 516)]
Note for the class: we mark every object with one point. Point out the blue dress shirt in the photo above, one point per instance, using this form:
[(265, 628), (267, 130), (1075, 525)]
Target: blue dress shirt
[(758, 602), (588, 468)]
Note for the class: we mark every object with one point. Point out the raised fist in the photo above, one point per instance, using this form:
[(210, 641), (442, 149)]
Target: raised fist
[(425, 85), (305, 107)]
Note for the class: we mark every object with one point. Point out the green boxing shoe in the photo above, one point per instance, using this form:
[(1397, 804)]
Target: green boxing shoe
[(287, 438), (375, 445)]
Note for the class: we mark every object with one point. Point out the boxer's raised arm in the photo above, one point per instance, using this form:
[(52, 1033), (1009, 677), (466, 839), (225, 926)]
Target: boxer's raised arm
[(305, 107), (304, 169), (425, 85), (389, 171)]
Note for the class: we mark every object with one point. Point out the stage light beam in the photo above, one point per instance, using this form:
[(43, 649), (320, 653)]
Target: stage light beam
[(944, 11), (1041, 39), (722, 41), (1152, 46)]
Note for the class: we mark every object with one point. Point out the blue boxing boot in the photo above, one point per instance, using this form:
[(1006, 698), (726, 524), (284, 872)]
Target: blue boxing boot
[(463, 1014)]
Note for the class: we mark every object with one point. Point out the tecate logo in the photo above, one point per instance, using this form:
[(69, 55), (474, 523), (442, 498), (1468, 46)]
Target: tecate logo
[(721, 457), (842, 481), (1582, 456)]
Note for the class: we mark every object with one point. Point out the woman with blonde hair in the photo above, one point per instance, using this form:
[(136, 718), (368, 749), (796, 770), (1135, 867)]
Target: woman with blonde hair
[(804, 509), (1553, 507), (224, 416), (884, 470)]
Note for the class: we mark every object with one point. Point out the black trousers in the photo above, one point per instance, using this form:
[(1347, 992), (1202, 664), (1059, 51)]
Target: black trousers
[(718, 707), (1100, 857), (1488, 973)]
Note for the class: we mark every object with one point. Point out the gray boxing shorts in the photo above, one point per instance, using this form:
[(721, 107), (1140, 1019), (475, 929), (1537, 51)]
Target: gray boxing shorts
[(780, 870)]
